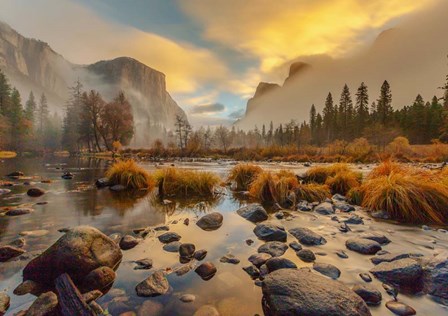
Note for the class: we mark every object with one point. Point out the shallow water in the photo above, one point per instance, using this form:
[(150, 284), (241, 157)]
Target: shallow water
[(78, 202)]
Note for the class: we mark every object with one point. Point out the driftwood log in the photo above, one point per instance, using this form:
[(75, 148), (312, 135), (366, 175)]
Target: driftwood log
[(71, 302)]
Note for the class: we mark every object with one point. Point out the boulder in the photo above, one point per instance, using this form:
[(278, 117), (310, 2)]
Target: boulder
[(78, 252), (45, 304), (400, 272), (274, 264), (368, 293), (270, 232), (154, 285), (99, 279), (9, 252), (169, 237), (211, 221), (173, 246), (436, 275), (128, 242), (187, 250), (274, 248), (307, 237), (301, 292), (363, 246), (324, 208), (28, 287), (206, 271), (327, 269), (102, 183), (306, 255), (389, 257), (253, 212), (344, 207), (259, 259), (35, 192), (304, 206)]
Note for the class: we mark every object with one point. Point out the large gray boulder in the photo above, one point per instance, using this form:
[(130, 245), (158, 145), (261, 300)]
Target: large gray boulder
[(435, 272), (402, 272), (211, 221), (307, 237), (270, 232), (364, 246), (301, 292), (274, 248), (253, 212), (77, 253)]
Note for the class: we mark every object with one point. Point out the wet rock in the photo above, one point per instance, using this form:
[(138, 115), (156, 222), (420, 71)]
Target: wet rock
[(19, 242), (102, 183), (279, 263), (400, 309), (304, 206), (341, 254), (211, 221), (143, 264), (366, 277), (96, 308), (307, 237), (380, 215), (91, 296), (4, 302), (187, 298), (306, 255), (9, 252), (229, 258), (183, 269), (295, 245), (354, 220), (15, 174), (128, 242), (308, 294), (400, 272), (324, 208), (259, 259), (344, 207), (118, 306), (206, 310), (274, 248), (156, 284), (436, 275), (67, 176), (200, 254), (392, 291), (344, 228), (28, 287), (279, 215), (327, 269), (186, 221), (45, 304), (35, 192), (363, 246), (150, 307), (379, 238), (368, 293), (252, 271), (161, 228), (206, 271), (270, 232), (187, 250), (169, 237), (117, 188), (173, 246), (253, 212), (99, 279), (393, 256), (249, 242), (77, 253), (115, 237)]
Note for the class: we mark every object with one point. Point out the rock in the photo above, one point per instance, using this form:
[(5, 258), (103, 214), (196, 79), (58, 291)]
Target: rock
[(115, 237), (392, 257), (4, 302), (307, 237), (169, 237), (128, 242), (211, 221), (354, 220), (306, 255), (206, 270), (187, 250), (308, 294), (28, 287), (187, 298), (91, 296), (143, 264), (96, 308), (344, 207), (9, 252), (118, 306), (4, 191), (45, 304), (184, 269), (15, 174), (150, 307), (270, 232), (327, 269), (253, 212), (67, 176), (368, 293), (338, 197), (341, 254), (35, 192), (161, 228), (400, 272), (279, 263), (186, 221), (102, 183), (206, 310), (436, 275), (274, 248), (366, 277), (363, 246), (259, 259), (380, 215), (295, 245), (304, 206), (392, 291), (324, 208), (99, 279), (400, 309), (252, 271), (117, 188), (19, 242), (173, 246), (77, 253), (229, 258), (249, 242), (279, 215), (379, 238), (344, 228), (154, 285), (200, 254)]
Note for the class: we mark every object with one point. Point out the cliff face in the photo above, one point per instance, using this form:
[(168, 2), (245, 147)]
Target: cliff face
[(32, 65)]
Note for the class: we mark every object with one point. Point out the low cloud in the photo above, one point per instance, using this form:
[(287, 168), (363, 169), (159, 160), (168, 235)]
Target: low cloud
[(208, 108), (237, 114)]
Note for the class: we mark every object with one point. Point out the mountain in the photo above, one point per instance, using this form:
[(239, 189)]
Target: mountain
[(31, 65), (411, 56)]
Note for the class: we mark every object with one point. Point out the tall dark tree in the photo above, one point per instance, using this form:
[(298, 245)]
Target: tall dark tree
[(384, 105), (5, 94), (329, 118), (361, 109), (313, 114), (71, 136), (30, 108), (345, 114)]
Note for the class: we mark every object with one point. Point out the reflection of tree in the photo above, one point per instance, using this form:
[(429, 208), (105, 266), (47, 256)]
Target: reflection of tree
[(125, 200), (195, 205)]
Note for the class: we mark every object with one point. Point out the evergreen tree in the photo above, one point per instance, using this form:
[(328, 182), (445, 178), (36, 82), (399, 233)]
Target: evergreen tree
[(5, 94), (42, 114), (329, 118), (384, 105), (313, 121), (362, 109), (30, 107), (72, 124), (345, 114)]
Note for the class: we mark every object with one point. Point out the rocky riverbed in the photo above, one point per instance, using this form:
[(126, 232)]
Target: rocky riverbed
[(229, 256)]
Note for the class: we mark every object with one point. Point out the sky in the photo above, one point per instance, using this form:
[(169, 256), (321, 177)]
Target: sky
[(213, 52)]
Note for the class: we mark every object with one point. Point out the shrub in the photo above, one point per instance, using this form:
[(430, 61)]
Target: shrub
[(343, 181), (185, 183), (312, 192), (130, 175), (244, 175)]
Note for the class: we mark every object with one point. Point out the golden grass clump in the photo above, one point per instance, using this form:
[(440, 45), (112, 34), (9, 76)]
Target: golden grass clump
[(274, 187), (342, 182), (185, 183), (130, 175), (320, 174), (387, 167), (244, 175), (312, 192)]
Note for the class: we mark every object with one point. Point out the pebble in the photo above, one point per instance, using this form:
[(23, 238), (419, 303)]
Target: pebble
[(366, 277), (400, 309), (187, 298)]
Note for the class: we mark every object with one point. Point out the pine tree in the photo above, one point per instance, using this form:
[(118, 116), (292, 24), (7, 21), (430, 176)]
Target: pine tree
[(345, 114), (384, 105), (313, 121), (5, 94), (362, 109), (30, 108), (42, 113), (72, 121), (329, 118)]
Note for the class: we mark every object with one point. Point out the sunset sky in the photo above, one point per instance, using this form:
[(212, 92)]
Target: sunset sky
[(213, 53)]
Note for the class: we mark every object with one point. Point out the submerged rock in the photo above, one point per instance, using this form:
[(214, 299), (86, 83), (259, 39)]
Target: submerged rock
[(368, 293), (154, 285), (187, 298), (206, 271), (173, 246), (15, 174), (19, 211), (400, 272), (200, 254), (9, 252), (35, 192), (327, 269), (270, 232), (102, 183), (211, 221), (308, 294), (363, 246), (307, 237), (253, 212), (229, 258), (274, 248), (400, 309), (143, 264), (206, 310)]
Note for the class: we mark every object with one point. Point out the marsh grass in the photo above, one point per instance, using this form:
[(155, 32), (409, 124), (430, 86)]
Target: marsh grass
[(343, 181), (320, 174), (312, 192), (185, 183), (130, 175), (272, 187), (244, 175)]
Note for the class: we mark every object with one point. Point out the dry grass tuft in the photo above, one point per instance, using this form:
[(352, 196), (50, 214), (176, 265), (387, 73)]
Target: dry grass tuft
[(342, 182), (244, 175), (184, 183), (274, 187), (312, 192), (130, 175), (320, 174)]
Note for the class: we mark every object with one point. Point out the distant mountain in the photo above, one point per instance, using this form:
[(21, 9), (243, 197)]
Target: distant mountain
[(32, 65)]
